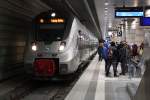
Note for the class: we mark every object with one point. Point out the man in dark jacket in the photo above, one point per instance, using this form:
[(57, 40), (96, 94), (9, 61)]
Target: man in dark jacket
[(123, 58), (112, 59)]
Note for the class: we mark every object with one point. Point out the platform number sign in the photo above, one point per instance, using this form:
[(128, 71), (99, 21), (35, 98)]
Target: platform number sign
[(119, 34)]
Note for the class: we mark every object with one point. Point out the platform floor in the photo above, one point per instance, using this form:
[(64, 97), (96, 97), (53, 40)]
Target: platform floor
[(93, 85)]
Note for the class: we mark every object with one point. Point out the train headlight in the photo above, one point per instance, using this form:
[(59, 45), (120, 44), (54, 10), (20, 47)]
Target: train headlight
[(34, 47), (62, 46)]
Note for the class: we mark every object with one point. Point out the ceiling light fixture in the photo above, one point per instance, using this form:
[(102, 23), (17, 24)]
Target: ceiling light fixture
[(110, 26), (109, 33), (106, 11), (106, 3), (53, 14)]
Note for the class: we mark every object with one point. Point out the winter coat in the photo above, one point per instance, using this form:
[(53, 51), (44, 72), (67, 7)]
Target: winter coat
[(105, 53), (114, 55), (123, 54)]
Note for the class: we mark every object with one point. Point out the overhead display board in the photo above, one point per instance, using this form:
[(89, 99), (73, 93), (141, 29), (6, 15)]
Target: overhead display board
[(145, 21), (124, 12)]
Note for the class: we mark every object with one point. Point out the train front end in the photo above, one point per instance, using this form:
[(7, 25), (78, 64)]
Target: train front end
[(43, 55)]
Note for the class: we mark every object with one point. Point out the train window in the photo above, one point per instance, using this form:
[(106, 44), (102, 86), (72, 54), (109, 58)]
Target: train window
[(50, 32), (51, 26), (53, 35)]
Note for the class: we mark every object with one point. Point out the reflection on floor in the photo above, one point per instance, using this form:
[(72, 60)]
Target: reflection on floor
[(93, 85)]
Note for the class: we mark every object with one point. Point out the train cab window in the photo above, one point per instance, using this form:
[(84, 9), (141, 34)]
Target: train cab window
[(52, 29), (50, 32)]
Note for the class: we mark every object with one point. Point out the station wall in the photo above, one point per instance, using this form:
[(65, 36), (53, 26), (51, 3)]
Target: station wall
[(15, 27)]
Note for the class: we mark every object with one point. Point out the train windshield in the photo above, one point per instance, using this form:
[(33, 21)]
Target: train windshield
[(50, 32)]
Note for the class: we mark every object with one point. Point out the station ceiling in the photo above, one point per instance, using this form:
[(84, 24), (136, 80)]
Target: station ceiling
[(92, 13), (105, 12), (84, 9), (97, 15)]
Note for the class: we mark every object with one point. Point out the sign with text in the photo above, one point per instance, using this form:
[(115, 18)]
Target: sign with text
[(124, 12)]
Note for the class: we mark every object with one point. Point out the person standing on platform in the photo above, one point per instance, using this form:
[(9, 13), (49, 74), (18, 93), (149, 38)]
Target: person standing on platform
[(123, 58), (134, 50), (112, 59), (140, 52), (131, 67), (103, 52), (106, 44), (100, 50), (119, 46)]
